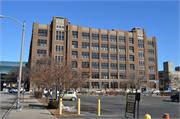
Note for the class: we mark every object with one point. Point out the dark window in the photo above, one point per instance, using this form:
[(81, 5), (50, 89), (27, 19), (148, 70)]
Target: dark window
[(95, 75), (104, 85), (141, 63), (131, 49), (131, 66), (114, 85), (42, 32), (60, 35), (104, 47), (140, 43), (42, 43), (104, 56), (141, 54), (113, 56), (85, 35), (95, 55), (151, 76), (74, 44), (85, 55), (74, 34), (104, 75), (85, 75), (141, 72), (85, 45), (131, 41), (104, 37), (122, 57), (122, 66), (95, 65), (95, 46), (151, 60), (74, 54), (113, 48), (85, 64), (95, 36), (150, 52), (41, 53), (121, 39), (114, 76), (58, 58), (59, 48), (122, 48), (113, 38), (151, 69), (104, 66), (113, 66), (74, 64), (131, 58), (94, 85), (150, 44), (122, 75)]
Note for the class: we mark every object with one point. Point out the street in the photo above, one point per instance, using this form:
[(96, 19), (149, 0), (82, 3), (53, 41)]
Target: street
[(7, 99), (115, 105)]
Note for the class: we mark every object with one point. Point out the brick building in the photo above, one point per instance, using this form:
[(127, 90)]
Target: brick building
[(107, 54)]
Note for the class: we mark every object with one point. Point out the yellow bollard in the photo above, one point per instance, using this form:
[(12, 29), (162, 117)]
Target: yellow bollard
[(98, 107), (147, 116), (60, 106), (78, 106)]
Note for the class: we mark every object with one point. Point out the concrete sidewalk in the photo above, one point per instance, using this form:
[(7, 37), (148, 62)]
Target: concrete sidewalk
[(32, 109)]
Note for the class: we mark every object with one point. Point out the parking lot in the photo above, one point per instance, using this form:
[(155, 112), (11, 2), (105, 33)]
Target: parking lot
[(115, 105)]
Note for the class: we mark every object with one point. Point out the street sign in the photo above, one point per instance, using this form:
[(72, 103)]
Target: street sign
[(156, 81), (18, 79), (130, 105)]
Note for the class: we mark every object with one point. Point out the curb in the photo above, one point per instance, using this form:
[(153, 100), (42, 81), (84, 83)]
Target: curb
[(7, 113)]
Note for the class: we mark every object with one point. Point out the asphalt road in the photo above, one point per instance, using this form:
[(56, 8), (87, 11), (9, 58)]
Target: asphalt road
[(6, 101), (115, 105)]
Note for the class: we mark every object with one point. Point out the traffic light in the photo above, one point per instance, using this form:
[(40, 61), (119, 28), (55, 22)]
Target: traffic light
[(4, 80)]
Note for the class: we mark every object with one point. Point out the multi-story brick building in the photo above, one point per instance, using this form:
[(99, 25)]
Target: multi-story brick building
[(107, 54)]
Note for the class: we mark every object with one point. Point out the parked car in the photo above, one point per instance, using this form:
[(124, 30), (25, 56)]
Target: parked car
[(111, 91), (174, 90), (22, 89), (98, 91), (13, 90), (122, 91), (83, 91), (167, 91), (156, 92), (175, 97), (146, 92), (134, 91), (71, 95)]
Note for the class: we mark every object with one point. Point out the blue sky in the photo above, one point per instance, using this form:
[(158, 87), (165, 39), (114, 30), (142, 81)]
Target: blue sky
[(159, 18)]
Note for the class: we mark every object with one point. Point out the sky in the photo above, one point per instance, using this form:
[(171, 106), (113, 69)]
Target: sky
[(159, 18)]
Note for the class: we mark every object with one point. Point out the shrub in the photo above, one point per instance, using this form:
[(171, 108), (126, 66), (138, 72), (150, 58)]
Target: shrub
[(38, 94), (53, 105)]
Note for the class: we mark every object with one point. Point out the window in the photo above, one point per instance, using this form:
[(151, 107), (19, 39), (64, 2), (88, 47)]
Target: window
[(122, 75), (85, 75), (95, 85), (151, 76), (122, 57), (95, 46), (113, 66), (113, 47), (150, 52), (150, 44), (104, 47), (74, 54), (121, 39), (74, 44), (74, 64), (104, 37), (85, 55), (141, 63), (122, 66), (95, 75), (104, 56), (85, 35), (131, 58), (74, 34), (59, 48), (42, 32), (95, 65), (113, 56), (60, 35), (140, 43), (153, 85), (113, 38), (104, 75), (131, 49), (95, 36), (122, 48), (85, 64), (58, 58), (114, 76), (151, 60), (131, 41), (114, 85), (41, 53), (141, 72), (95, 55), (131, 66), (104, 66), (42, 43), (104, 85), (85, 45), (141, 54), (151, 69)]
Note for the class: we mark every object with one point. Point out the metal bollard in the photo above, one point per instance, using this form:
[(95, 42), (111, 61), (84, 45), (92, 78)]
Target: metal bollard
[(78, 106), (17, 104), (60, 106), (98, 107), (166, 116), (147, 116)]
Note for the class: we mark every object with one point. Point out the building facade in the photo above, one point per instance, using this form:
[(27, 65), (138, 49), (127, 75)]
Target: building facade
[(168, 78), (107, 55)]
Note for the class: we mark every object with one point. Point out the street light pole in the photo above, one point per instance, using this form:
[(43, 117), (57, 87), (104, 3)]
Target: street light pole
[(20, 67)]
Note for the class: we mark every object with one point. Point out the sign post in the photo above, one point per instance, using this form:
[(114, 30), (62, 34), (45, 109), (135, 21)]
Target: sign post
[(130, 105)]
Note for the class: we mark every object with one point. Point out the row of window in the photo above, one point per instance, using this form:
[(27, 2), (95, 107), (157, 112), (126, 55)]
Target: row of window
[(95, 65)]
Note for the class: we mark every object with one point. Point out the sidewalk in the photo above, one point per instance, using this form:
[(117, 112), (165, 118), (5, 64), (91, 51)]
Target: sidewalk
[(32, 109)]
